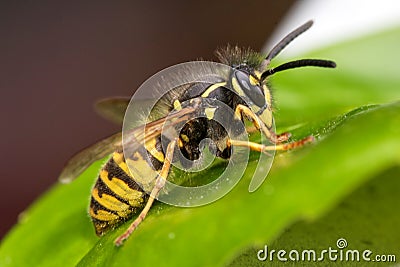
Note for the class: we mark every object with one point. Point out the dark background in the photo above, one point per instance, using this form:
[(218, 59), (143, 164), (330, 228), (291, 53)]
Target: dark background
[(57, 58)]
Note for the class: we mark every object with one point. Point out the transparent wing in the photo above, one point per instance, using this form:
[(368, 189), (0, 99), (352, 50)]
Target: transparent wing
[(83, 159), (113, 108), (137, 136)]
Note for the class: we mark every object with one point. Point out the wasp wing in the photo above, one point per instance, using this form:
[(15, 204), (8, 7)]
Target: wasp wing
[(166, 126), (83, 159), (137, 136), (113, 108)]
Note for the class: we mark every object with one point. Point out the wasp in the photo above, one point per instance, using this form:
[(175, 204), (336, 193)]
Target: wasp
[(117, 195)]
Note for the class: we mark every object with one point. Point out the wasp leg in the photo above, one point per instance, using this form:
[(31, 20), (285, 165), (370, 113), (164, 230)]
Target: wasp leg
[(259, 125), (283, 137), (265, 149), (243, 110), (280, 138), (159, 184)]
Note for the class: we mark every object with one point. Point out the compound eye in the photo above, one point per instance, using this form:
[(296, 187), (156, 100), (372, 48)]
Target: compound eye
[(254, 92)]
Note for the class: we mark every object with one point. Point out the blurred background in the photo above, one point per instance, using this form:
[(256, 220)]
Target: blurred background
[(58, 58)]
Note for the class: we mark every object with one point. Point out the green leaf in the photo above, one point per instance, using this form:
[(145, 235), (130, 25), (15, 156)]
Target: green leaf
[(241, 219), (355, 142), (366, 219), (367, 73), (55, 230)]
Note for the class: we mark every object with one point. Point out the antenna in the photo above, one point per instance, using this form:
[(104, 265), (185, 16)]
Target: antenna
[(298, 64), (285, 41)]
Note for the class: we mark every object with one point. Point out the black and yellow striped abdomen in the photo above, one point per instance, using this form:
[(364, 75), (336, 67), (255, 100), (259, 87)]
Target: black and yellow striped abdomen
[(116, 197)]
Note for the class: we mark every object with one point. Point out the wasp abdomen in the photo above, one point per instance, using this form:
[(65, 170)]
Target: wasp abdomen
[(116, 196)]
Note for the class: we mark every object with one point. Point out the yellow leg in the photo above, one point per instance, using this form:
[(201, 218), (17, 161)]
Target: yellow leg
[(243, 110), (259, 125), (283, 137), (159, 184), (264, 149)]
